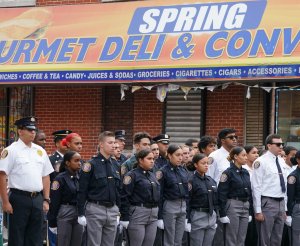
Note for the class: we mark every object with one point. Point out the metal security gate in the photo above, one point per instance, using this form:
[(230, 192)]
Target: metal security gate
[(15, 102), (255, 118), (183, 117)]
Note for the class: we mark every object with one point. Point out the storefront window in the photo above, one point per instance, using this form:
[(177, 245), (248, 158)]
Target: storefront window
[(288, 116)]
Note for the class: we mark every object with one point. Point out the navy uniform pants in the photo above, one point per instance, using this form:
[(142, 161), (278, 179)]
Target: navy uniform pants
[(25, 224)]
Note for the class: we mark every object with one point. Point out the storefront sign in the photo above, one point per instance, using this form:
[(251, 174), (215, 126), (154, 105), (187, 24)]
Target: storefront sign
[(151, 41)]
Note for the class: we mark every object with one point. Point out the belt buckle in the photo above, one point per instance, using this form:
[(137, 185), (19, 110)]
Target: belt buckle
[(33, 194)]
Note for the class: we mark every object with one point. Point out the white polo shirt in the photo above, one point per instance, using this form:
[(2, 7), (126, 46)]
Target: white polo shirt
[(25, 166)]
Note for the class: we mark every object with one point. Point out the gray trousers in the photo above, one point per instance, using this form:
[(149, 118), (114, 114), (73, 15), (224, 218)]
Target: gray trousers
[(270, 230), (174, 215), (142, 226), (236, 230), (101, 224), (69, 232), (203, 228), (296, 225)]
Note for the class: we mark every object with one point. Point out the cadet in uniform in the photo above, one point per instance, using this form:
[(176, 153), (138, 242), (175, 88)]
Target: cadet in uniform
[(63, 214), (173, 179), (207, 145), (203, 202), (40, 138), (56, 159), (162, 141), (218, 163), (120, 139), (269, 192), (73, 142), (59, 152), (235, 198), (28, 167), (140, 198), (293, 202), (98, 196), (141, 140)]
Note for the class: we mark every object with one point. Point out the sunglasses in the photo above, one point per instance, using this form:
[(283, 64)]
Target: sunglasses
[(278, 144), (232, 137)]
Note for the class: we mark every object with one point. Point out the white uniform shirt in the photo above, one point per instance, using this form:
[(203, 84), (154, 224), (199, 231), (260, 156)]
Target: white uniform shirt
[(249, 169), (265, 179), (289, 169), (219, 163), (25, 166)]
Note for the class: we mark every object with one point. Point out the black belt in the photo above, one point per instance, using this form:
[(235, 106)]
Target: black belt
[(278, 199), (146, 205), (70, 203), (26, 193), (206, 210), (102, 203), (242, 199)]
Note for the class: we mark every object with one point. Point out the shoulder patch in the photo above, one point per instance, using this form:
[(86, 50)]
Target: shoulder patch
[(123, 170), (190, 186), (127, 180), (87, 167), (256, 164), (291, 180), (223, 177), (210, 160), (4, 154), (40, 152), (55, 185), (159, 175)]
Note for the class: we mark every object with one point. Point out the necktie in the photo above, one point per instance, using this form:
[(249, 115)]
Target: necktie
[(210, 198), (110, 181), (282, 184)]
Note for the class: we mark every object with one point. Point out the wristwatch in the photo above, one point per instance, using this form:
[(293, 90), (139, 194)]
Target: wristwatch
[(47, 200)]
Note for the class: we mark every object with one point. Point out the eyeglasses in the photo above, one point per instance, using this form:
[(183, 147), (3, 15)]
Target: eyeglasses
[(278, 144), (232, 137)]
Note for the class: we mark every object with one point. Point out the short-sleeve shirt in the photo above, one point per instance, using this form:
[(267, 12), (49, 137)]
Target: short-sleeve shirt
[(25, 166)]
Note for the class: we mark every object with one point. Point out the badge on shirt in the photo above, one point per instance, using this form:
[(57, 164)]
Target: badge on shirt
[(40, 152), (223, 177), (210, 160), (190, 186), (123, 170), (291, 180), (4, 154), (86, 167), (256, 164), (158, 175), (55, 185), (127, 180)]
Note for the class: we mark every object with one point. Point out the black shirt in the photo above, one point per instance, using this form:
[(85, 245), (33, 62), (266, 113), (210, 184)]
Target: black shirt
[(99, 181), (293, 190), (139, 187), (64, 190), (234, 183)]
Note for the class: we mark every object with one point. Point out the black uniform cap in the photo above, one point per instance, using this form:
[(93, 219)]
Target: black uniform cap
[(60, 134), (28, 122), (120, 134), (162, 138)]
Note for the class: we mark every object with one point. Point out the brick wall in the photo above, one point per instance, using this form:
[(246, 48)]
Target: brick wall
[(147, 112), (78, 108), (225, 108), (118, 115)]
